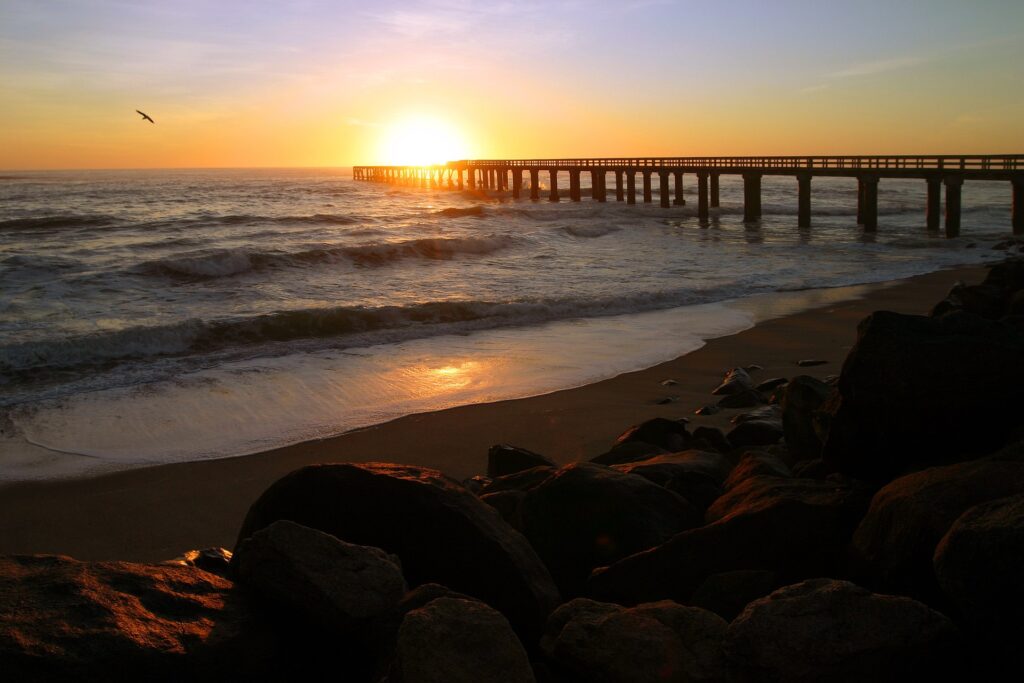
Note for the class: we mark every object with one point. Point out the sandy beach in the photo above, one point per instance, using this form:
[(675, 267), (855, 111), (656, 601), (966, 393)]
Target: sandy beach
[(156, 513)]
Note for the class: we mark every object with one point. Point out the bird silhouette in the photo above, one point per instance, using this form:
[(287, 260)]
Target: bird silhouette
[(145, 116)]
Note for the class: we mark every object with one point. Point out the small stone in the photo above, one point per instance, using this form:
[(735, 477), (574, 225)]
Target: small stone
[(669, 382), (770, 384), (666, 400), (736, 381), (810, 362), (747, 398), (753, 368), (707, 410)]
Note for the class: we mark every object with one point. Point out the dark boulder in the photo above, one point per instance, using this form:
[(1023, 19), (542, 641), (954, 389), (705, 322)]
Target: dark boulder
[(918, 391), (65, 620), (728, 593), (710, 438), (828, 630), (586, 516), (797, 528), (755, 464), (508, 504), (450, 640), (663, 433), (213, 560), (630, 451), (476, 483), (893, 547), (736, 381), (979, 564), (986, 300), (769, 385), (755, 433), (810, 362), (441, 532), (801, 402), (503, 459), (334, 584), (748, 398), (520, 481), (661, 641), (662, 468), (769, 412)]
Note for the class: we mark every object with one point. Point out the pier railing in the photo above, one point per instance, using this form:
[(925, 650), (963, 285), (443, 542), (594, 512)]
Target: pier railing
[(939, 171)]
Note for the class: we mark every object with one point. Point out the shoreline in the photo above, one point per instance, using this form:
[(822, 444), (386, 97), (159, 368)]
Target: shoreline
[(155, 513)]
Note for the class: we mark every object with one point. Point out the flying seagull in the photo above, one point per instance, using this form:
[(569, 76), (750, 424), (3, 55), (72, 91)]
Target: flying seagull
[(145, 116)]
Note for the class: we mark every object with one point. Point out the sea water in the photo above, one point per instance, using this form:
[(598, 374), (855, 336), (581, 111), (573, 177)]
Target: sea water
[(149, 317)]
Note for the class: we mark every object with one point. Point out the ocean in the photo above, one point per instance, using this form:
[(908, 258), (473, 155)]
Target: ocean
[(149, 317)]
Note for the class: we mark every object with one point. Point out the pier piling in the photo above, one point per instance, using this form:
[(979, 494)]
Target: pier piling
[(702, 196), (751, 197), (663, 189), (630, 186), (953, 184), (933, 203), (803, 219), (553, 194)]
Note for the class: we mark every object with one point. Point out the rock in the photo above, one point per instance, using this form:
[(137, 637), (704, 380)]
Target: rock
[(748, 398), (707, 410), (442, 532), (828, 630), (1007, 276), (335, 584), (65, 620), (664, 401), (911, 383), (631, 451), (755, 433), (476, 484), (986, 300), (810, 469), (699, 489), (508, 504), (979, 563), (214, 560), (803, 398), (769, 384), (668, 434), (810, 362), (753, 368), (797, 528), (586, 516), (503, 459), (753, 464), (662, 468), (711, 438), (893, 547), (728, 593), (736, 381), (659, 641), (762, 413), (449, 640), (520, 481), (669, 382)]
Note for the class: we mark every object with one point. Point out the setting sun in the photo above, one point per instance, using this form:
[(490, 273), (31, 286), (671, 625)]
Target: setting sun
[(421, 141)]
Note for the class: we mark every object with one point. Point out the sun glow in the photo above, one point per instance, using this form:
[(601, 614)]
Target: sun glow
[(421, 141)]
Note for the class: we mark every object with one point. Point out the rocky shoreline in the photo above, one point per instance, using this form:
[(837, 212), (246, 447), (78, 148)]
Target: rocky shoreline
[(869, 526)]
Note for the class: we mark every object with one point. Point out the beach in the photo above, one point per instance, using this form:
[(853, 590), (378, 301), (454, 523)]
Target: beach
[(156, 513)]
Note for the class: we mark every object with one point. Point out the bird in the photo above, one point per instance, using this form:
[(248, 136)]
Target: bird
[(145, 116)]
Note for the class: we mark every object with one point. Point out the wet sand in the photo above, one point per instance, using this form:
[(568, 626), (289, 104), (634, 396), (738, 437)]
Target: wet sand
[(156, 513)]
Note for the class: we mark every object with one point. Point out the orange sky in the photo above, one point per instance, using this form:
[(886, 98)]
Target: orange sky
[(330, 85)]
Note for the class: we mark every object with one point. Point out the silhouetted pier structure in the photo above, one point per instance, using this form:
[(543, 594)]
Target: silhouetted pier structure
[(936, 171)]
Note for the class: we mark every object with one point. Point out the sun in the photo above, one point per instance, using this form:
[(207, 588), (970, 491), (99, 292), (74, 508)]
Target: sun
[(421, 141)]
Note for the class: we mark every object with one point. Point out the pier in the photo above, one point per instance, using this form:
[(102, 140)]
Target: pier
[(943, 174)]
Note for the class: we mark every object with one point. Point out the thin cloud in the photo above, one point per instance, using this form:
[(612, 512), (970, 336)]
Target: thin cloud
[(880, 66)]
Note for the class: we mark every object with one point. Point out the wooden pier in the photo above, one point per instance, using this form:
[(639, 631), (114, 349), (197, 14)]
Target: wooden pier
[(937, 171)]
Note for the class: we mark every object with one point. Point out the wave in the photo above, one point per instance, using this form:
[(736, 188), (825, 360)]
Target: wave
[(315, 219), (229, 262), (351, 325), (590, 230), (458, 212), (58, 222)]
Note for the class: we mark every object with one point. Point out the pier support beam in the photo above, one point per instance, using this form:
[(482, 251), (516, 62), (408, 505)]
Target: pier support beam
[(751, 196), (680, 200), (869, 201), (534, 184), (933, 207), (714, 190), (631, 186), (619, 196), (953, 184), (553, 195), (461, 186), (602, 191), (647, 187), (574, 185), (517, 182), (663, 189), (1017, 219), (702, 196), (595, 185), (860, 202), (803, 219)]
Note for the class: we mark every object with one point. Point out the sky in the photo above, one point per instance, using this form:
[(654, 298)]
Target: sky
[(311, 83)]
